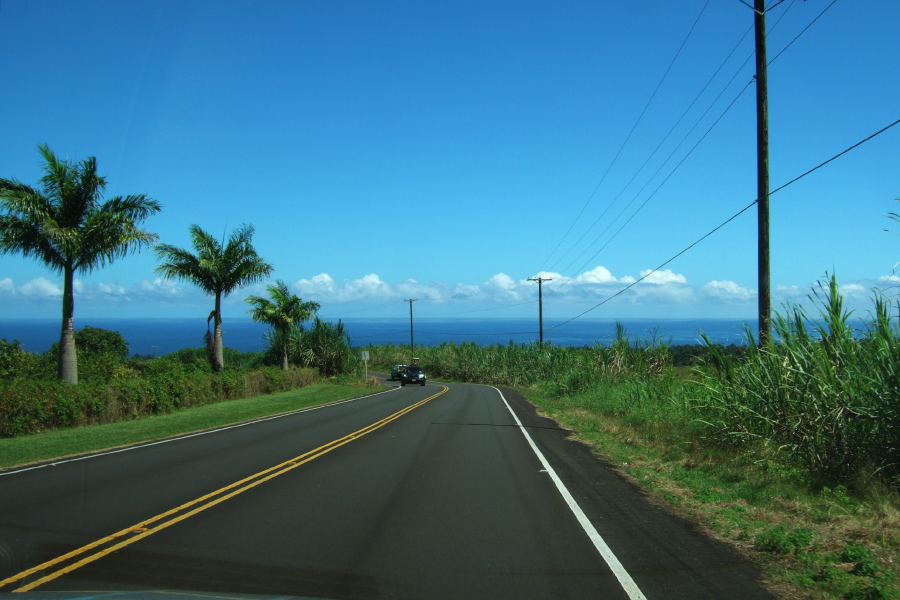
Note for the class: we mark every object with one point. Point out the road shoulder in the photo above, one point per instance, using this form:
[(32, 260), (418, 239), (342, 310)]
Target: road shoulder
[(664, 550)]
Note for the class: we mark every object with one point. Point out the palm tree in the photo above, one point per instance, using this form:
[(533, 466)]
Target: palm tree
[(218, 269), (284, 312), (65, 226)]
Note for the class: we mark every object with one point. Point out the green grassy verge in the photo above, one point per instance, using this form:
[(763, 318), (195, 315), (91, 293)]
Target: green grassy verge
[(79, 440), (812, 543)]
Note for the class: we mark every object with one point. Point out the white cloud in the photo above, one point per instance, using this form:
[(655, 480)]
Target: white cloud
[(433, 290), (790, 293), (656, 288), (543, 275), (662, 277), (590, 286), (322, 283), (853, 288), (596, 275), (369, 286), (112, 289), (158, 287), (466, 291), (728, 292), (41, 288), (323, 288), (501, 283), (7, 286)]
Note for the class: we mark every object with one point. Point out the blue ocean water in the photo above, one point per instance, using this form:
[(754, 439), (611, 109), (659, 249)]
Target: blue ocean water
[(161, 336)]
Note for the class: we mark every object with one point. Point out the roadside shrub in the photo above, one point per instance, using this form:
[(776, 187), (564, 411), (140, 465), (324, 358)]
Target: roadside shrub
[(90, 341), (274, 379), (28, 407), (17, 363), (864, 563), (196, 359), (778, 540), (102, 367), (156, 366)]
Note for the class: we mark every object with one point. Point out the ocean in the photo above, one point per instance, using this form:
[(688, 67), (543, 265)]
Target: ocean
[(162, 336)]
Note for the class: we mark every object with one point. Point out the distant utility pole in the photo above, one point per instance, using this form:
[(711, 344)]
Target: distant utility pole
[(540, 281), (762, 173), (412, 344)]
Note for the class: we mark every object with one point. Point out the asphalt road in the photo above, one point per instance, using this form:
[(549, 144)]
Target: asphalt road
[(416, 492)]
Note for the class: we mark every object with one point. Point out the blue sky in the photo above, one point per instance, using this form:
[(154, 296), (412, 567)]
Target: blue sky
[(449, 151)]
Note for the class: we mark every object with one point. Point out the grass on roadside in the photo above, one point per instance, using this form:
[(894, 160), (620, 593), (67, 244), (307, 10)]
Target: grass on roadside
[(822, 544), (79, 440)]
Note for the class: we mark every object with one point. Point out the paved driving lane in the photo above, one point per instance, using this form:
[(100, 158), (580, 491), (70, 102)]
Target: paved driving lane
[(446, 500)]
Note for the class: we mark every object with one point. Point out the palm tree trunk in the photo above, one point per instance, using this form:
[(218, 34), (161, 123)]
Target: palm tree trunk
[(284, 337), (217, 336), (67, 368)]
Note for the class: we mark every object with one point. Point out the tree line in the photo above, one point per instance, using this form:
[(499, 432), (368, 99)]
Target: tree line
[(65, 224)]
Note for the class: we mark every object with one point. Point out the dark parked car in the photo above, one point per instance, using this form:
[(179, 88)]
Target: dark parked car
[(412, 374), (395, 371)]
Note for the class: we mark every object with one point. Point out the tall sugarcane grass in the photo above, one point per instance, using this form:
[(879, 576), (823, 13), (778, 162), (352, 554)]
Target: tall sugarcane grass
[(822, 397), (558, 370)]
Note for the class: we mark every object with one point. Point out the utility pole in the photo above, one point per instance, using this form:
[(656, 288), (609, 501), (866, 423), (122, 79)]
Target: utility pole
[(412, 344), (540, 281), (762, 174)]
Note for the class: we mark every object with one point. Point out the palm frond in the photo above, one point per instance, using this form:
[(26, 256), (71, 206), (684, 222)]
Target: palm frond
[(22, 200), (213, 268), (108, 235), (182, 265), (136, 208)]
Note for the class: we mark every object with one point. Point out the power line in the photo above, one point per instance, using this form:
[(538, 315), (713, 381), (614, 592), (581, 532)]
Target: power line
[(661, 184), (724, 223), (684, 138), (633, 128), (652, 154), (671, 154), (811, 23), (816, 168)]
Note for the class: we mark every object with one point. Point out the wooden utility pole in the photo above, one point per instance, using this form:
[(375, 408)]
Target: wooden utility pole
[(540, 281), (412, 343), (762, 174)]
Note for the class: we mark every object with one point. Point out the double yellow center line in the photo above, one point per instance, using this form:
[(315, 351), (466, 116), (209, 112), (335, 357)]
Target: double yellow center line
[(116, 541)]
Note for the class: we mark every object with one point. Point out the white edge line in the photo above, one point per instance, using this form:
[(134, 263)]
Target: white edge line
[(53, 463), (628, 584)]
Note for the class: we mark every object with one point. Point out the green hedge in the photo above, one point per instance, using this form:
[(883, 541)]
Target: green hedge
[(28, 407)]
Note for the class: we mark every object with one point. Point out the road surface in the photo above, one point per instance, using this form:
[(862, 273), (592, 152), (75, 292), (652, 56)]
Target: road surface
[(436, 491)]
